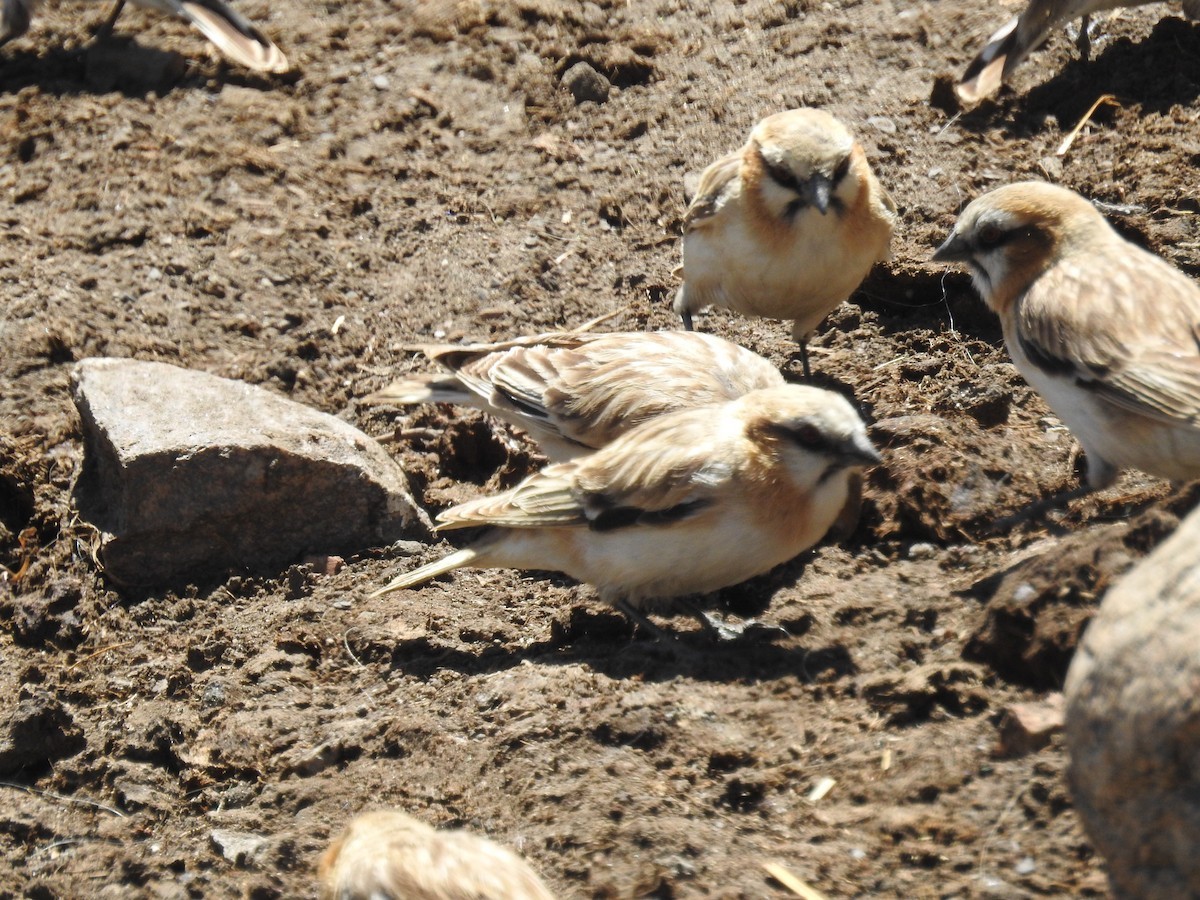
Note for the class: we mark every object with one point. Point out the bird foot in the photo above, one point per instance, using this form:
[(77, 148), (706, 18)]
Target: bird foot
[(641, 623), (751, 630)]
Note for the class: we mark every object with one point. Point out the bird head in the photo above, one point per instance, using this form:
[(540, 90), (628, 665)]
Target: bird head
[(1010, 236), (814, 433), (808, 160)]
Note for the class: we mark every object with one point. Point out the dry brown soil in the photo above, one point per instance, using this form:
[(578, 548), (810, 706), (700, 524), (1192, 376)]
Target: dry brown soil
[(425, 175)]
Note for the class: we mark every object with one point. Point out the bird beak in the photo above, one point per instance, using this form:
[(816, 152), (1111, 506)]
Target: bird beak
[(859, 451), (955, 249), (820, 189)]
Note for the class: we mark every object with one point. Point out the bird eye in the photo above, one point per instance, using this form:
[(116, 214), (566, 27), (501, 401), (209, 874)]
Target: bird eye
[(808, 435), (842, 168), (990, 236)]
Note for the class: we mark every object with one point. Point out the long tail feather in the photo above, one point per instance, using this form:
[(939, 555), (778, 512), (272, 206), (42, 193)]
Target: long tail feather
[(423, 389), (234, 36), (984, 75), (420, 575)]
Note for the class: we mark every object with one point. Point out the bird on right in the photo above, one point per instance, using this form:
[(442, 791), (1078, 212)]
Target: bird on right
[(1011, 43), (1106, 332), (786, 227)]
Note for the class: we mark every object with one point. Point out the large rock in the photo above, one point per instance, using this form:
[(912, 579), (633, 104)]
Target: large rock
[(190, 475), (1133, 724)]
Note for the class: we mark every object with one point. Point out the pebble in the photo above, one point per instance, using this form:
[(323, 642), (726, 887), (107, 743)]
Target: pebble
[(241, 848), (585, 83)]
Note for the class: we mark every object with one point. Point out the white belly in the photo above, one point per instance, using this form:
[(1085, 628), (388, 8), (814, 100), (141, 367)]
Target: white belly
[(1113, 437), (816, 271)]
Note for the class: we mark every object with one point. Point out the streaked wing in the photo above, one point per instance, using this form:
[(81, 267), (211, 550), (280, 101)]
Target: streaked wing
[(1126, 327), (666, 469), (660, 472), (615, 383), (545, 499), (589, 389), (717, 184)]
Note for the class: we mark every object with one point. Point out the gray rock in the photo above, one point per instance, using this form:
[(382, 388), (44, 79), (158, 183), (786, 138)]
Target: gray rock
[(1133, 724), (242, 848), (585, 83), (189, 475)]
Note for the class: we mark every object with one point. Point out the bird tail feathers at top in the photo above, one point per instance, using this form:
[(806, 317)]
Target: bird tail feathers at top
[(432, 570), (987, 70), (233, 35), (422, 389)]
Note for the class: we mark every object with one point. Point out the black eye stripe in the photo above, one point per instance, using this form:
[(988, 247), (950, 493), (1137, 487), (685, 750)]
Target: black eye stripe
[(782, 175), (842, 169), (991, 236), (804, 434)]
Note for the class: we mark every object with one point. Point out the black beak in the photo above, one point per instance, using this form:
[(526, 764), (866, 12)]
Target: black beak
[(955, 249), (858, 451), (820, 190)]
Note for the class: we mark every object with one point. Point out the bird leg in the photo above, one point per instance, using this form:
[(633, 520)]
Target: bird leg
[(801, 338), (1084, 40), (686, 315), (106, 29), (804, 358), (642, 623)]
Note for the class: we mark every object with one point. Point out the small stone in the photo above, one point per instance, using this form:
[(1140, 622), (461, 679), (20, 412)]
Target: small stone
[(381, 82), (1025, 866), (242, 848), (407, 548), (922, 551), (1051, 166), (882, 123), (1027, 727), (324, 566), (213, 695), (585, 83)]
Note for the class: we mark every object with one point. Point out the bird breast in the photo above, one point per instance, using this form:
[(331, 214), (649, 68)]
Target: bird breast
[(743, 535)]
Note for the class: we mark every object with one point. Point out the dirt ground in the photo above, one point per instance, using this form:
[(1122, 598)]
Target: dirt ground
[(425, 175)]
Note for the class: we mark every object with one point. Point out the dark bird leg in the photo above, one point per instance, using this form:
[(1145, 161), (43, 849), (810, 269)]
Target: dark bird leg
[(686, 315), (106, 29), (642, 623), (1084, 41), (804, 358)]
